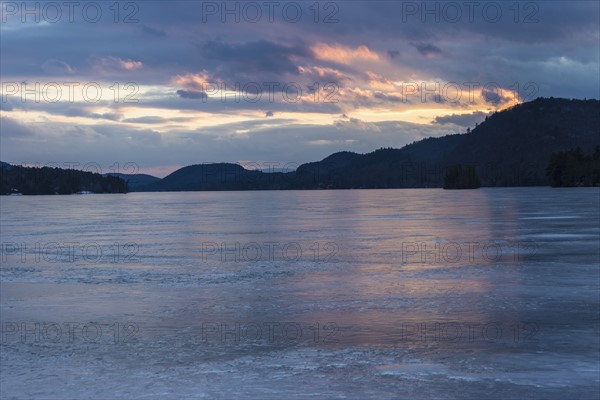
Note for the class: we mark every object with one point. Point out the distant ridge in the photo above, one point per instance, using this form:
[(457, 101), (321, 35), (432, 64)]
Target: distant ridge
[(135, 181), (512, 147), (218, 176)]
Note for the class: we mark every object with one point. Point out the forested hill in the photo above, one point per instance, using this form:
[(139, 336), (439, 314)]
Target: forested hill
[(512, 147)]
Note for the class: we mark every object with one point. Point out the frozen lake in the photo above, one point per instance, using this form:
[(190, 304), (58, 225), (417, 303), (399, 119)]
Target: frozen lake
[(381, 294)]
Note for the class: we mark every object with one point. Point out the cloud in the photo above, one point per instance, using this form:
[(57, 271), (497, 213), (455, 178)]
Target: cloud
[(427, 50), (198, 81), (464, 120), (324, 75), (191, 94), (354, 123), (108, 116), (57, 67), (498, 96), (153, 32), (391, 98), (342, 54), (378, 81), (109, 64), (254, 57), (11, 128), (145, 120), (6, 104)]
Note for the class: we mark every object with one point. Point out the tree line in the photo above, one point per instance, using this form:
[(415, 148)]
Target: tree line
[(16, 179), (572, 168)]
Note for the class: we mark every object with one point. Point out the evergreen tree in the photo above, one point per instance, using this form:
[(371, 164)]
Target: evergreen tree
[(461, 177)]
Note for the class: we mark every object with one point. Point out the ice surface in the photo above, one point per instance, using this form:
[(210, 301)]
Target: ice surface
[(386, 306)]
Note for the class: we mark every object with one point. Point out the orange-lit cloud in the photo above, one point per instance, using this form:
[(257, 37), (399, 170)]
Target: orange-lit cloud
[(378, 81), (197, 81), (342, 54)]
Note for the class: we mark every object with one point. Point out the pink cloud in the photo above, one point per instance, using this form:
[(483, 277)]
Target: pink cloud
[(342, 54)]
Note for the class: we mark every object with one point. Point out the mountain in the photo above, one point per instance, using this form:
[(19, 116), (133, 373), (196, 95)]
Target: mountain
[(135, 181)]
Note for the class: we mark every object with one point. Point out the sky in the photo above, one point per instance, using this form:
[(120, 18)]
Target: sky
[(151, 86)]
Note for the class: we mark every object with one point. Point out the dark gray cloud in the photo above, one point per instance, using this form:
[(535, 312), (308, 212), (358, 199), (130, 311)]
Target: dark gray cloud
[(145, 120), (191, 94), (462, 120), (525, 41), (252, 59), (427, 49), (495, 96), (389, 98)]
